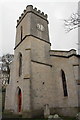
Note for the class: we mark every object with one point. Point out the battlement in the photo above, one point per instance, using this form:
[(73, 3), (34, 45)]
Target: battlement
[(29, 9)]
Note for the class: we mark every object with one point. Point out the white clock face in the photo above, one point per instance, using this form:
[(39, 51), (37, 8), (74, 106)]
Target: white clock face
[(40, 27)]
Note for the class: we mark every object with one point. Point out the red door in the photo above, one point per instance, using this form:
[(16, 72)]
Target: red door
[(19, 100)]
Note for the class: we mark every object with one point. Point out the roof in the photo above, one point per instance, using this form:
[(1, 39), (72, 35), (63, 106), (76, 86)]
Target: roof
[(66, 54)]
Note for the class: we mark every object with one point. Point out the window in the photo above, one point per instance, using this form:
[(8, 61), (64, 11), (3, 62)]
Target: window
[(20, 64), (64, 83), (21, 33)]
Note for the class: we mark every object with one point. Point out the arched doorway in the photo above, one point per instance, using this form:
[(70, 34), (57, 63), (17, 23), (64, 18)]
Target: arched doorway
[(19, 98)]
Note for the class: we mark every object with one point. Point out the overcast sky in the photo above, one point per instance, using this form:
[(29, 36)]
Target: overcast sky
[(10, 10)]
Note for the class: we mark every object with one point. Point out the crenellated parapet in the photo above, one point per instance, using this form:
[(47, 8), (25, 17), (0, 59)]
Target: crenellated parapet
[(30, 9)]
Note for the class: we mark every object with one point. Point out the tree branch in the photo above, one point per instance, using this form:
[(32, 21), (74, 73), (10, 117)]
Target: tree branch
[(72, 23)]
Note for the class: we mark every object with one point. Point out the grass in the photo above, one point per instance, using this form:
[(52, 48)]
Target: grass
[(20, 117), (68, 118)]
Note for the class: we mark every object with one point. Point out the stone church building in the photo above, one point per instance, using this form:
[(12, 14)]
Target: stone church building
[(41, 76)]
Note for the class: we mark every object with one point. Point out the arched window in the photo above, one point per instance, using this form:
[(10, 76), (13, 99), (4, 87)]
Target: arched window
[(64, 83), (20, 64)]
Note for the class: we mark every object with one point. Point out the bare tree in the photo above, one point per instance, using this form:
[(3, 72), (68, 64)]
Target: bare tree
[(72, 22), (6, 60)]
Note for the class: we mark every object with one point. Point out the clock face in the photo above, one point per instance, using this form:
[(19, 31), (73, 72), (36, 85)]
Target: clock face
[(40, 27)]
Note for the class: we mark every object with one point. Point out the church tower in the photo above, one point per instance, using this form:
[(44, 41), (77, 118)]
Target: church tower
[(30, 83)]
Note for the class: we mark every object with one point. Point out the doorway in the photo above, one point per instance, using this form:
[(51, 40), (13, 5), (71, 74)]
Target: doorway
[(19, 100)]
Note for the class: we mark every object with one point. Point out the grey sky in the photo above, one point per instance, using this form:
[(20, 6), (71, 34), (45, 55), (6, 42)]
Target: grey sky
[(57, 11)]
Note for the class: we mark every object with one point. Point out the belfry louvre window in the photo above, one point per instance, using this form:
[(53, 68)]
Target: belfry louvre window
[(64, 83), (20, 64)]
